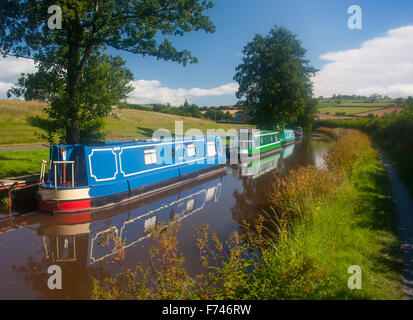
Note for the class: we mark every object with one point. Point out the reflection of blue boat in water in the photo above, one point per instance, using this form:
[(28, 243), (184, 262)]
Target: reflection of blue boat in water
[(174, 208), (131, 225)]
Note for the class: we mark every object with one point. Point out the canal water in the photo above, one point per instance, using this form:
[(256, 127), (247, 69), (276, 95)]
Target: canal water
[(31, 242)]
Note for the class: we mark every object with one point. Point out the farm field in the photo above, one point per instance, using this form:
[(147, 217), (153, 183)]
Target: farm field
[(327, 108), (381, 112), (354, 103), (348, 109)]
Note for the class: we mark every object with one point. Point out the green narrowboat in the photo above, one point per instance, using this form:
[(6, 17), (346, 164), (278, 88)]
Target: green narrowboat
[(259, 143), (287, 136)]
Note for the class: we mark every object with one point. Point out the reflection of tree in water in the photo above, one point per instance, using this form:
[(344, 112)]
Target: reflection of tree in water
[(303, 155), (252, 200), (76, 275)]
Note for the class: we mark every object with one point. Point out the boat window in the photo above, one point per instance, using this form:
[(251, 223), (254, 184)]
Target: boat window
[(190, 205), (151, 156), (191, 150), (149, 224), (211, 148), (210, 194)]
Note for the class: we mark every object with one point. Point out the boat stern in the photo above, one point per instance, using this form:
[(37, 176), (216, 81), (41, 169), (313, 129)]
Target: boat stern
[(58, 200)]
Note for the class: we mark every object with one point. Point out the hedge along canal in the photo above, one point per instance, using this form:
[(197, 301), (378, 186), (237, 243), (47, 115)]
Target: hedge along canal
[(329, 229)]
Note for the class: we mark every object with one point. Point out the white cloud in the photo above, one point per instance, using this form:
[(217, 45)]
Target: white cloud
[(382, 65), (145, 91), (152, 91), (10, 70), (4, 87)]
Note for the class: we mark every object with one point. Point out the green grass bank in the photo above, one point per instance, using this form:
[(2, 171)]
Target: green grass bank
[(14, 163), (315, 226)]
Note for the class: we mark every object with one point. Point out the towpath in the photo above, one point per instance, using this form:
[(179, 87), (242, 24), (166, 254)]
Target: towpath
[(404, 210), (22, 147)]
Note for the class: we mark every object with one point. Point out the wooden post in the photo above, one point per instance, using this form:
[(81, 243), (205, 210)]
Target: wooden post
[(10, 204), (73, 174)]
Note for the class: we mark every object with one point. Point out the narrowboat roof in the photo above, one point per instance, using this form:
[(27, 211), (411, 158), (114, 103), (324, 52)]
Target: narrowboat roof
[(134, 141), (265, 132)]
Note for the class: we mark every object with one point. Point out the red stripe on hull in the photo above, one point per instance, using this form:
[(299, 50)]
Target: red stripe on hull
[(73, 218), (65, 206)]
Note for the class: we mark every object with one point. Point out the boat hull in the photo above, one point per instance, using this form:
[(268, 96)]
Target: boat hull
[(64, 201), (288, 141)]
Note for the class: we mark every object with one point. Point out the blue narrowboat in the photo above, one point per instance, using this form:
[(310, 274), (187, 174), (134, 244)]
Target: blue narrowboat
[(87, 177)]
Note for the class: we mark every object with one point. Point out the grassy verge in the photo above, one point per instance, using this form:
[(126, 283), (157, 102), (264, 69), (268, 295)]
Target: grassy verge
[(354, 225), (317, 224), (21, 162)]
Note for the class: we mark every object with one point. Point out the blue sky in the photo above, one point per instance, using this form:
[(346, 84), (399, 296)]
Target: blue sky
[(321, 25)]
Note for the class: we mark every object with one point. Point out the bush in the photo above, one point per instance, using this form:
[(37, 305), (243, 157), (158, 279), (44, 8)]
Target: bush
[(349, 150)]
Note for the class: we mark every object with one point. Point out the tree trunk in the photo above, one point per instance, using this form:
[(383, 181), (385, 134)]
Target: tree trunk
[(75, 70), (72, 128), (73, 132)]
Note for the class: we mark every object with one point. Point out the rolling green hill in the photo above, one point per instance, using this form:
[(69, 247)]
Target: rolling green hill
[(18, 128)]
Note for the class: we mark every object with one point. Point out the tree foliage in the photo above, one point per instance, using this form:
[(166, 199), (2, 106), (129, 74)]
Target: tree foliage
[(275, 78), (66, 58)]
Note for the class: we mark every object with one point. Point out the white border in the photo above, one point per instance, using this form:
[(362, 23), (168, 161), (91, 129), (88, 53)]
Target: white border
[(90, 164)]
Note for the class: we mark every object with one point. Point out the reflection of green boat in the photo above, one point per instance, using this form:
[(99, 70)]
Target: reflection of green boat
[(257, 168), (287, 151), (259, 143)]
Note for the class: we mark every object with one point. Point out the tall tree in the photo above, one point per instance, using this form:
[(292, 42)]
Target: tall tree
[(104, 83), (275, 78), (89, 27)]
